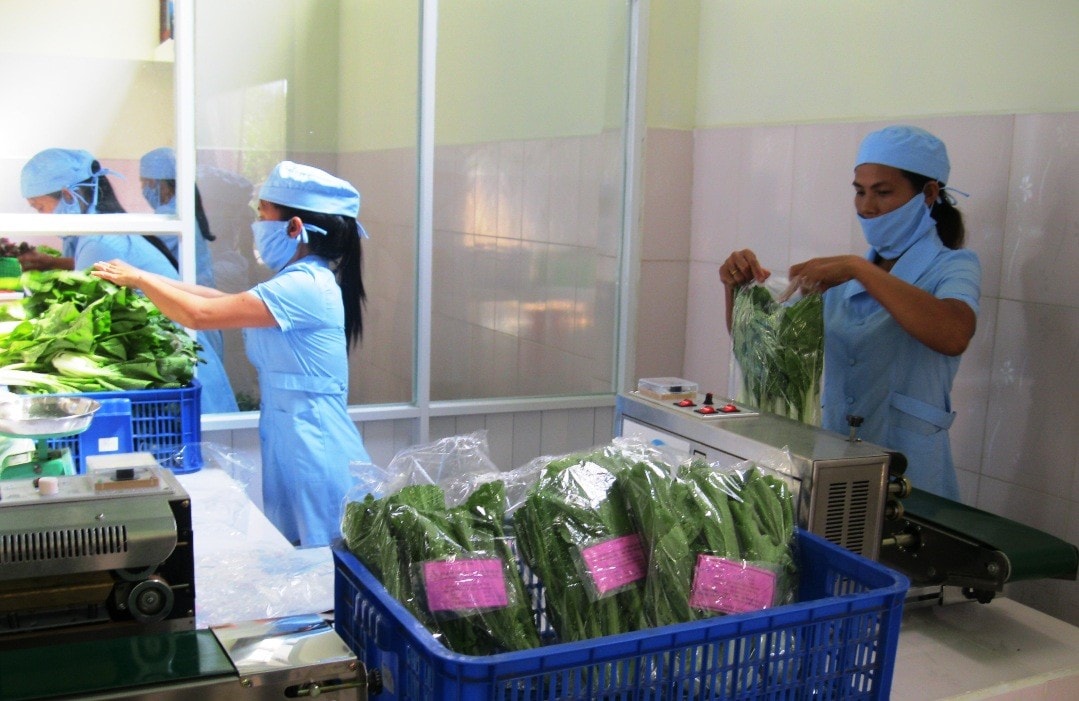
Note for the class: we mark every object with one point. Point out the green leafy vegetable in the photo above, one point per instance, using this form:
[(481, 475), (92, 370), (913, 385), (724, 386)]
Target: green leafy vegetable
[(92, 335), (394, 537), (780, 351), (578, 502)]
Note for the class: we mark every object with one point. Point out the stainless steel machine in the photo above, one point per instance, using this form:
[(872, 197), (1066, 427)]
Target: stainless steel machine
[(108, 552), (97, 601), (854, 493)]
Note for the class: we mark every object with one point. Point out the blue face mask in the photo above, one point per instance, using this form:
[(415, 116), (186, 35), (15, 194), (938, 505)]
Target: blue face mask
[(63, 206), (273, 246), (152, 193), (893, 233)]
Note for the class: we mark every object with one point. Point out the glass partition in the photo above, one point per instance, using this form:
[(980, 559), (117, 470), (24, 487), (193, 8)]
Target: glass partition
[(528, 161), (92, 76), (332, 84), (528, 181)]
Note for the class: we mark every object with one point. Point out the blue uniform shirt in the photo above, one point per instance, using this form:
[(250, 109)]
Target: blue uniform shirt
[(876, 370), (307, 437)]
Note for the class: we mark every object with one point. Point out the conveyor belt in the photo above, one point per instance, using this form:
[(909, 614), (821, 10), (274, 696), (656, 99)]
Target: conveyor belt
[(95, 666), (940, 541)]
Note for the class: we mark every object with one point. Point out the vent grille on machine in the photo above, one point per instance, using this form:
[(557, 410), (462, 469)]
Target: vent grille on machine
[(847, 512), (40, 546)]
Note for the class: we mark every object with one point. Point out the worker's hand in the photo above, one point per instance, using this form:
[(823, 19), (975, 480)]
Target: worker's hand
[(118, 272), (741, 268), (820, 274)]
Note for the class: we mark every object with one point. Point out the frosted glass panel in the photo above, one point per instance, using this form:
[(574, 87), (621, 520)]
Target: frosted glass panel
[(530, 104), (333, 85)]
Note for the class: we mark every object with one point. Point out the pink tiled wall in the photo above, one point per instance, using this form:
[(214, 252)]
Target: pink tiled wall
[(785, 192)]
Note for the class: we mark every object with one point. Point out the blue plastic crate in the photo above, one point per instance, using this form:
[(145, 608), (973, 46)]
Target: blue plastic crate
[(838, 642), (164, 422)]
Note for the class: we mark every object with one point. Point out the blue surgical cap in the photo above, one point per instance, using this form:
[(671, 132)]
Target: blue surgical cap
[(907, 148), (307, 188), (55, 169), (159, 164)]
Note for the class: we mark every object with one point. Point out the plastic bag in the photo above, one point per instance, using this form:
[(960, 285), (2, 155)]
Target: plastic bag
[(778, 348), (718, 542), (574, 532), (436, 541)]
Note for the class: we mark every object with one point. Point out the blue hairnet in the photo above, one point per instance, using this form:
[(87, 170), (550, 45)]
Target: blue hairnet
[(54, 169), (159, 164), (907, 148), (304, 187)]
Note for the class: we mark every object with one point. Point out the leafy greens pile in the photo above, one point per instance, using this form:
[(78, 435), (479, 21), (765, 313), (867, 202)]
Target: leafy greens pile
[(84, 334), (780, 350), (395, 536)]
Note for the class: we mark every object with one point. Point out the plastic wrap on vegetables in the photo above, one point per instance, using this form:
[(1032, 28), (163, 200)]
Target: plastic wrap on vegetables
[(575, 534), (779, 349), (680, 520), (453, 568), (763, 511)]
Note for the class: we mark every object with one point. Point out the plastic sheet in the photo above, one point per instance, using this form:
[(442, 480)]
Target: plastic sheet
[(778, 354), (244, 568)]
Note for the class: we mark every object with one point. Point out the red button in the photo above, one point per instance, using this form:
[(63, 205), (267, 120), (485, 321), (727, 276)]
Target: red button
[(707, 410), (729, 408), (685, 403)]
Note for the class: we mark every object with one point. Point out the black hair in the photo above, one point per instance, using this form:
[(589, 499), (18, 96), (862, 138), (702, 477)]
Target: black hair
[(200, 213), (200, 216), (341, 246), (107, 201), (949, 219)]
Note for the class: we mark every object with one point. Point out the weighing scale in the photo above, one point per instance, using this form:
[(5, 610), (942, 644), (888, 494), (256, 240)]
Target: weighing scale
[(42, 418)]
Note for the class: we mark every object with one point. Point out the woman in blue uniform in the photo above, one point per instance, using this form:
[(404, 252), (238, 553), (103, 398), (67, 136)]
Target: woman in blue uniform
[(898, 319), (71, 181), (157, 176), (299, 326)]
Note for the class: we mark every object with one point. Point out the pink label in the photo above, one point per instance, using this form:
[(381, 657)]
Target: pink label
[(728, 586), (615, 563), (465, 585)]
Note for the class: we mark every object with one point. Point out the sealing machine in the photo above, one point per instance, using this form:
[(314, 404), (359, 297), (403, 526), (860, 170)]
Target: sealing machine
[(853, 493), (97, 586)]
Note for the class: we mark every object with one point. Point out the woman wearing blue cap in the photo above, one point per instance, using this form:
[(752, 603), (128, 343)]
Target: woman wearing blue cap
[(157, 176), (299, 326), (72, 181), (896, 320)]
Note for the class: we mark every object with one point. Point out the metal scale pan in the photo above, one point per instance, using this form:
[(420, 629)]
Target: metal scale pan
[(41, 418)]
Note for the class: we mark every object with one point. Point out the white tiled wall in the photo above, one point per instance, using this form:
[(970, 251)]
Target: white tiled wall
[(785, 192)]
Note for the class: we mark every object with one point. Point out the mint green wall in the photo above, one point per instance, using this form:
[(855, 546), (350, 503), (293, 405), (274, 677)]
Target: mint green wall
[(506, 70), (789, 61), (674, 42), (378, 81)]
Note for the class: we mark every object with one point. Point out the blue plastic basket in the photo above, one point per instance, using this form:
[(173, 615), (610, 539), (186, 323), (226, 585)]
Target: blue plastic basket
[(838, 642), (164, 422)]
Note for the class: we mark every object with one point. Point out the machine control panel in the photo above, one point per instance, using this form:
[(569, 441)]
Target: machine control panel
[(120, 475), (706, 406)]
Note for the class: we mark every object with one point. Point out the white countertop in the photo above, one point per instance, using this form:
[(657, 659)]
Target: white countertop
[(1002, 650)]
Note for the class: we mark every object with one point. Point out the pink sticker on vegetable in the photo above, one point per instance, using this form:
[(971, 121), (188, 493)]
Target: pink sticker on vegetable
[(727, 586), (615, 563), (465, 585)]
